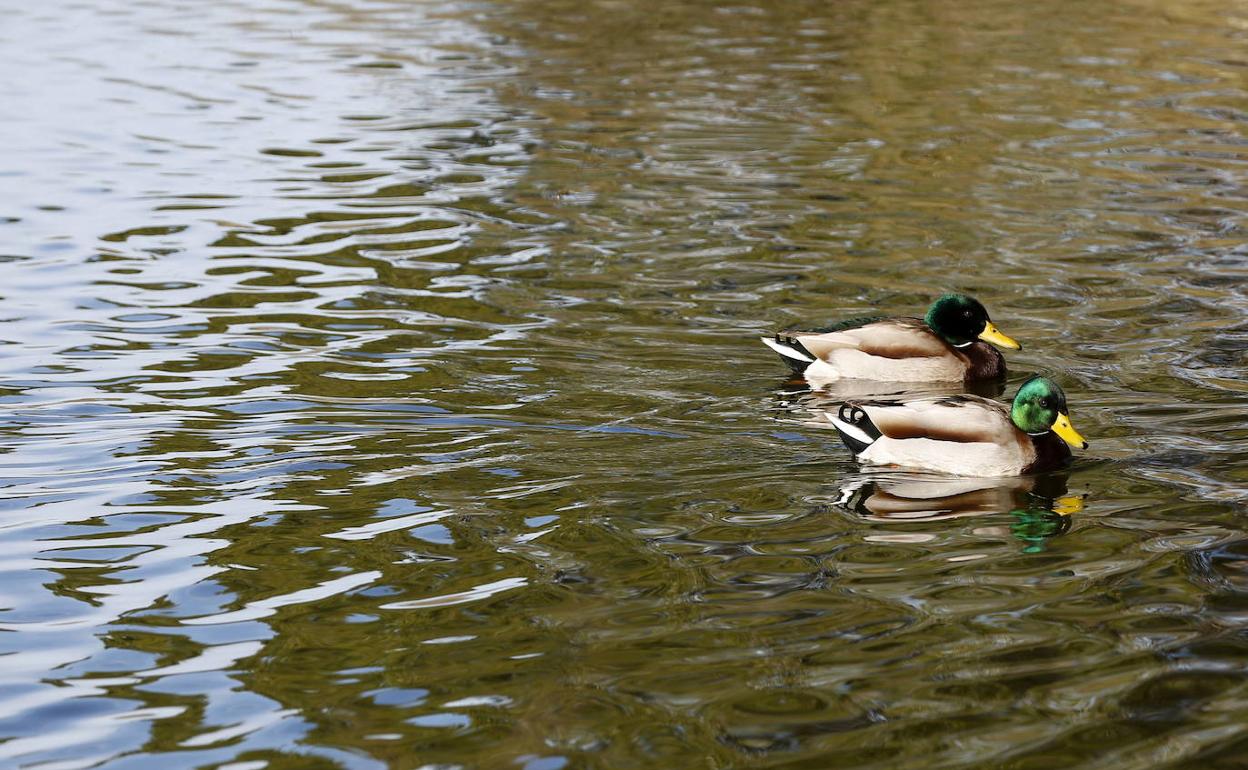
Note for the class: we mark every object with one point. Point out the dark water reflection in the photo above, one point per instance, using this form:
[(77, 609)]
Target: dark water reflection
[(382, 389)]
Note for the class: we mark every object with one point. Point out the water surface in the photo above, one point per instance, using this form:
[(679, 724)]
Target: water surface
[(381, 385)]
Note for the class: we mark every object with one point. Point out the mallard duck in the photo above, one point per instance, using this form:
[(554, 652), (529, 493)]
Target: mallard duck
[(963, 435), (945, 345)]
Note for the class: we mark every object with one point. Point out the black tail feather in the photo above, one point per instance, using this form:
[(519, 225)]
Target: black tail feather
[(796, 364), (856, 418)]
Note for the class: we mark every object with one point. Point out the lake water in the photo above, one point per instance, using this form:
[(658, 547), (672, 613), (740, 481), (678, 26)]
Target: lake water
[(381, 384)]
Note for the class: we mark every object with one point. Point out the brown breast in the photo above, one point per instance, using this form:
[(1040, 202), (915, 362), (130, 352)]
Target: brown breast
[(985, 361), (1051, 453)]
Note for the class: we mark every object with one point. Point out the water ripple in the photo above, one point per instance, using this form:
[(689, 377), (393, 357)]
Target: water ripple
[(380, 385)]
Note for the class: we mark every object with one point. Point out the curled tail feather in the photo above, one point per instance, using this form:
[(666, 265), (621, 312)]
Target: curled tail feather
[(855, 427), (791, 351)]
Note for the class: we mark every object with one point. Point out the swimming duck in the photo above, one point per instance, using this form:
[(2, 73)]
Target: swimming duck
[(945, 345), (964, 435)]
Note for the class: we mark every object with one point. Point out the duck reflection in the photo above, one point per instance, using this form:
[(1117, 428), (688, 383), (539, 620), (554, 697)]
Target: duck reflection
[(797, 395), (1041, 506), (833, 393)]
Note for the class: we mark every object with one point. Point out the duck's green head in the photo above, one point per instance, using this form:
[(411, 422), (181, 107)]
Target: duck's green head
[(1040, 407), (961, 320)]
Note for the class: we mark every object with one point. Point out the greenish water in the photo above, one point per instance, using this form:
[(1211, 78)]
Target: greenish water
[(381, 384)]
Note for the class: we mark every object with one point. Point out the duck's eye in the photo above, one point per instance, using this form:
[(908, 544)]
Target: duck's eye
[(1046, 402)]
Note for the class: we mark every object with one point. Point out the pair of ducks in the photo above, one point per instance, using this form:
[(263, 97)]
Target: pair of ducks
[(964, 435)]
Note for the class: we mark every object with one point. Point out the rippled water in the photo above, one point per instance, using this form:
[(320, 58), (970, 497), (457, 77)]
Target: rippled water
[(381, 385)]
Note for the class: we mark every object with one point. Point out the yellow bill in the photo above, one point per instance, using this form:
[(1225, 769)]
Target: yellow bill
[(1062, 427), (1068, 504), (992, 334)]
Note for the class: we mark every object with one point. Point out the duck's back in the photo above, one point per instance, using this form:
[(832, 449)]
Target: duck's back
[(899, 349), (959, 419)]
